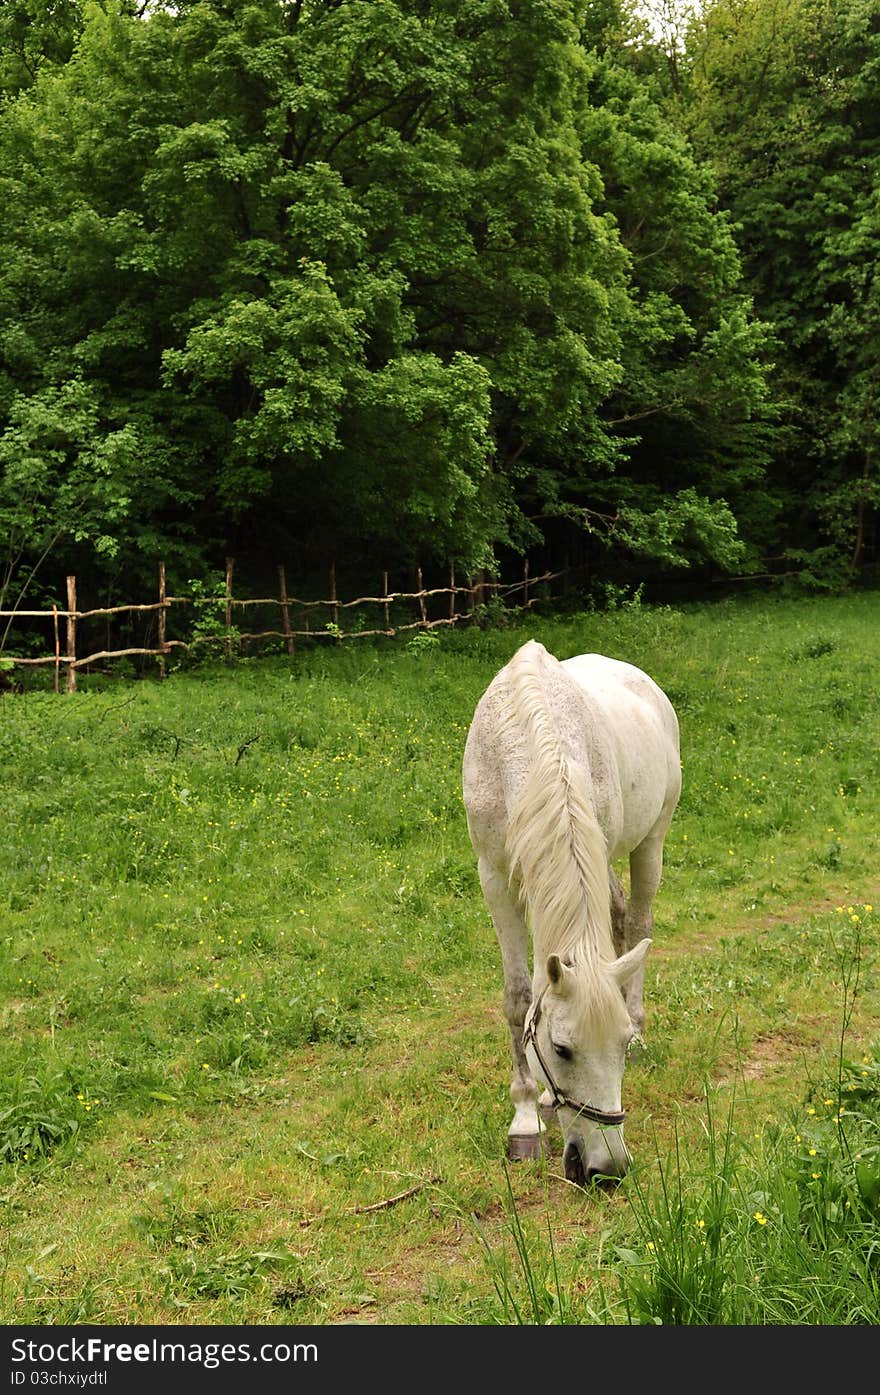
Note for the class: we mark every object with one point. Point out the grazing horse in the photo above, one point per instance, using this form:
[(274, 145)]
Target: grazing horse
[(568, 767)]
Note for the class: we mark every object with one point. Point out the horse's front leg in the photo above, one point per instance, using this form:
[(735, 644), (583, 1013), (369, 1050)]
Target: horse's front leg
[(524, 1134)]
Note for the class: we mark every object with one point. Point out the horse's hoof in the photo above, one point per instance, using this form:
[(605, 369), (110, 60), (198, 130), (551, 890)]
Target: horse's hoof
[(522, 1146)]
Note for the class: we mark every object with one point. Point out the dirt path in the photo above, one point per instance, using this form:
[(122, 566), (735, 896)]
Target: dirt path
[(733, 920)]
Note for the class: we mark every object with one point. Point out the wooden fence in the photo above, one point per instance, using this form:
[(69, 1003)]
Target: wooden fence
[(462, 603)]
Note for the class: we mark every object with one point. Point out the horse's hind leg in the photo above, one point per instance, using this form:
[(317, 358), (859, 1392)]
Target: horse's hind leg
[(618, 912), (524, 1134), (646, 866)]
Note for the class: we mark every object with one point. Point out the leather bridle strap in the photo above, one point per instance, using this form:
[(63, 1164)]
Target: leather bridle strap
[(610, 1118)]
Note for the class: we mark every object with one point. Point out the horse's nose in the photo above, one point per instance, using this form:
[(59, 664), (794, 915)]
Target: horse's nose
[(605, 1173), (606, 1180), (573, 1164)]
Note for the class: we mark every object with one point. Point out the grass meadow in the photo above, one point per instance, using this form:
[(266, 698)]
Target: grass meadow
[(255, 1067)]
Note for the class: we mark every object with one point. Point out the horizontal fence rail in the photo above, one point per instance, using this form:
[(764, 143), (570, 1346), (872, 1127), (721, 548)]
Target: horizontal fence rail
[(67, 659)]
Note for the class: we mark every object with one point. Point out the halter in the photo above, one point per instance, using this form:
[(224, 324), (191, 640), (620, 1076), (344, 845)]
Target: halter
[(609, 1117)]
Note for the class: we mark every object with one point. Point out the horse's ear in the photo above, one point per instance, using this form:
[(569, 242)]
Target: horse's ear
[(556, 972), (623, 968)]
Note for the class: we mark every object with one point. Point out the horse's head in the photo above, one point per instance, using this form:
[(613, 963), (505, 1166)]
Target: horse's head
[(576, 1039)]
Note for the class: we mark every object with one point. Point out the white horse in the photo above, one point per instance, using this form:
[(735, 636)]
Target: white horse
[(569, 767)]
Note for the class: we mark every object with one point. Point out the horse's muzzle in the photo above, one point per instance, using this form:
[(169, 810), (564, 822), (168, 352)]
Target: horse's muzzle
[(573, 1165), (585, 1174)]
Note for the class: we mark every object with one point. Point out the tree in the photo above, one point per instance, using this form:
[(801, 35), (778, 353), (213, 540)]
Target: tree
[(691, 412), (394, 278), (34, 36), (783, 100), (295, 243)]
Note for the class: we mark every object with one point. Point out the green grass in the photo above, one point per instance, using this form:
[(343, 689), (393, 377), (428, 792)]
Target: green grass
[(255, 1066)]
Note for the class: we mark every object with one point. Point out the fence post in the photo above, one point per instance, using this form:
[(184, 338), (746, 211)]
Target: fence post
[(422, 606), (161, 625), (71, 634), (285, 609), (334, 609), (229, 566), (525, 583), (57, 649), (385, 602), (452, 590)]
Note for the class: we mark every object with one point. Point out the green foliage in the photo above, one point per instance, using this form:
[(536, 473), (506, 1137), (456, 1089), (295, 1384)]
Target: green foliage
[(423, 642), (61, 474), (373, 276), (690, 409), (684, 529), (683, 1270), (784, 1233), (42, 1112), (781, 97), (210, 634), (35, 36), (527, 1285)]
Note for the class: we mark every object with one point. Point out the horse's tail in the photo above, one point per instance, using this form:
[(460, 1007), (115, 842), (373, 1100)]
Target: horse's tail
[(556, 849)]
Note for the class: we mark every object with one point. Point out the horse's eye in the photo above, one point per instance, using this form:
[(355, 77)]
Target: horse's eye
[(562, 1051)]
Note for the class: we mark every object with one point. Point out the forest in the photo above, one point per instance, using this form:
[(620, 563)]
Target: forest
[(438, 282)]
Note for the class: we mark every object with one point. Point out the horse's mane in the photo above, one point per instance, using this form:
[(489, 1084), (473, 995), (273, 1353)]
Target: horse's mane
[(556, 848)]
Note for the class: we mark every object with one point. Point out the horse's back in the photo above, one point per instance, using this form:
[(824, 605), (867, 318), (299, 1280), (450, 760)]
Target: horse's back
[(613, 722), (494, 769), (628, 696), (640, 726)]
